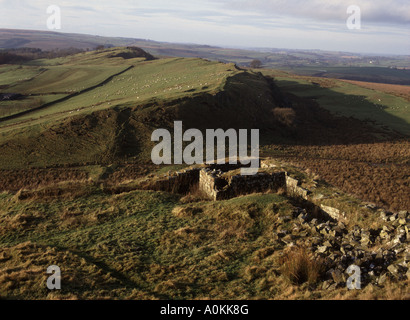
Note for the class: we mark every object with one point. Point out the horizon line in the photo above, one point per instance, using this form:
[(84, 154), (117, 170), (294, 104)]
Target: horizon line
[(253, 49)]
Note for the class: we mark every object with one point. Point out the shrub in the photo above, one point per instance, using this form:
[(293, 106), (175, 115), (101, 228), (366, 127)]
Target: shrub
[(285, 116)]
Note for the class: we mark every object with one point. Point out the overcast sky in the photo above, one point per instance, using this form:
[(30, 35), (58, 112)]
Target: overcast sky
[(294, 24)]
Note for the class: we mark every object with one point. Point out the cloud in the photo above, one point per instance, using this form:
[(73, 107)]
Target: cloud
[(264, 23), (373, 11)]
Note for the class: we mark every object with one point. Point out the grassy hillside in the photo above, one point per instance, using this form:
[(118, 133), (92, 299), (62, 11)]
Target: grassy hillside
[(71, 164), (109, 103), (143, 80), (155, 245), (101, 107), (148, 250)]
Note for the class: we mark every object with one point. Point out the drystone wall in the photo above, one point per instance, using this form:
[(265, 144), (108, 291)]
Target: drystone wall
[(181, 182), (212, 183), (334, 213), (293, 188)]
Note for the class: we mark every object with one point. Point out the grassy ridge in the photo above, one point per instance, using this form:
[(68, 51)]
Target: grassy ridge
[(382, 69), (148, 80), (114, 121)]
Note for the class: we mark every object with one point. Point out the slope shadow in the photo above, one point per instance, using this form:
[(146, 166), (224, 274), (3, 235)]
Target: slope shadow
[(251, 101), (321, 126)]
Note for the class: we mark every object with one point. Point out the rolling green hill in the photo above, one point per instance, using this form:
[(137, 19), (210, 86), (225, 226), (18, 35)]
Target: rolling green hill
[(105, 102), (102, 106)]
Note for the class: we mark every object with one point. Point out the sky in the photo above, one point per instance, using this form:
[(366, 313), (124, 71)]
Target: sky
[(290, 24)]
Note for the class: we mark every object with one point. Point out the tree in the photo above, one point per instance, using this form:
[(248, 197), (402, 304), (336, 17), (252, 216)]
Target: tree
[(256, 64)]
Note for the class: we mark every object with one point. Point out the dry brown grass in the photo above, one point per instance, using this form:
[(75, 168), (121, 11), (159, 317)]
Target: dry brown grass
[(378, 172), (186, 212), (63, 190), (299, 266), (23, 275), (195, 194), (390, 291), (14, 180)]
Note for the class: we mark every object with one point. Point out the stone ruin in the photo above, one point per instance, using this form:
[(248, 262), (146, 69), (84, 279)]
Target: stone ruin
[(221, 185), (381, 253), (222, 182)]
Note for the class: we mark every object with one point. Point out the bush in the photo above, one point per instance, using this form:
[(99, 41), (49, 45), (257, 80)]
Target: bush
[(285, 116), (256, 64)]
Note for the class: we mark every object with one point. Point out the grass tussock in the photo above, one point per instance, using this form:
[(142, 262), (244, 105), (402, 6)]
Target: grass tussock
[(195, 194), (299, 266)]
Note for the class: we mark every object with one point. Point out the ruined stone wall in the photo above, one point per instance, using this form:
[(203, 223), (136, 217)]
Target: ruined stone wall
[(333, 213), (292, 188), (181, 182), (216, 187), (207, 183), (261, 182)]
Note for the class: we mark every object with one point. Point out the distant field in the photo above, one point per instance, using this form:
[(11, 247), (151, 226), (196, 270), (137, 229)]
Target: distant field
[(65, 79), (397, 90), (45, 81), (369, 74), (13, 74)]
